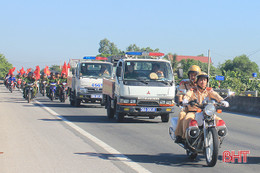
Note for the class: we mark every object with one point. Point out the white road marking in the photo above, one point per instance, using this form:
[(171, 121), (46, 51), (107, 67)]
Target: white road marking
[(119, 156)]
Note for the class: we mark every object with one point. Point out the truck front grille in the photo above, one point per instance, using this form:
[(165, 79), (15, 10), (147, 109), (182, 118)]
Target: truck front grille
[(147, 103)]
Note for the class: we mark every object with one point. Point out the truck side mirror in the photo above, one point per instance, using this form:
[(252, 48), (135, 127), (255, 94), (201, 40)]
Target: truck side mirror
[(118, 71), (180, 73)]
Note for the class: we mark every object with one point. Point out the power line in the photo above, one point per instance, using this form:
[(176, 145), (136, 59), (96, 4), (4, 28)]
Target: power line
[(254, 52)]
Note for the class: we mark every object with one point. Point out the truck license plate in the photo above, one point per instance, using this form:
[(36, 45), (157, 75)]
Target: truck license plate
[(148, 109), (96, 96)]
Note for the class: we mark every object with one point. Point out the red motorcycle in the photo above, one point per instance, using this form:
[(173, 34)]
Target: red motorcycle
[(19, 83)]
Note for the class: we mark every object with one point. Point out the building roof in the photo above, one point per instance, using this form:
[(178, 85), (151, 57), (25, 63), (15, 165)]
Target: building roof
[(203, 59)]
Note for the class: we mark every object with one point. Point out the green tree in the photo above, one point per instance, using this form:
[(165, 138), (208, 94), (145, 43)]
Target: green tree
[(107, 48), (133, 47), (55, 68), (4, 66), (241, 64)]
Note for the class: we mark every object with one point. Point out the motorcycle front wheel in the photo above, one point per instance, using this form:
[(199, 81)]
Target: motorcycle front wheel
[(211, 151), (28, 96), (52, 96)]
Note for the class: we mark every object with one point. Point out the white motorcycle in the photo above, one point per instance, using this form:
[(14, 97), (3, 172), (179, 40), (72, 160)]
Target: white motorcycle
[(204, 135)]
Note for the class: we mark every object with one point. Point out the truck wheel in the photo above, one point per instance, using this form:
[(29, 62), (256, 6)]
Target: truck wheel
[(77, 102), (72, 102), (110, 110), (165, 118), (119, 116)]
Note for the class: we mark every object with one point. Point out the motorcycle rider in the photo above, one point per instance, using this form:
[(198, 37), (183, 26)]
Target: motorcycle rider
[(23, 79), (11, 79), (42, 79), (30, 79), (6, 79), (52, 79), (63, 79), (199, 93), (19, 78), (194, 70)]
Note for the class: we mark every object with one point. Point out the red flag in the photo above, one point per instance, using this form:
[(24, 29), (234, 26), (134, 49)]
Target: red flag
[(22, 71), (28, 70), (11, 71), (68, 65), (18, 71), (47, 71), (37, 72), (64, 69)]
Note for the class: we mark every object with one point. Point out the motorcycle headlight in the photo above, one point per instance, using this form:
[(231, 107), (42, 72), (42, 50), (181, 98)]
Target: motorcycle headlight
[(210, 110)]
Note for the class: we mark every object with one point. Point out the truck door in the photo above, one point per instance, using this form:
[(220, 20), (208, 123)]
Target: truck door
[(118, 77)]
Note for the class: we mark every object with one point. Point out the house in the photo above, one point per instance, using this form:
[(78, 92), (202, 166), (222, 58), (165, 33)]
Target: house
[(203, 59)]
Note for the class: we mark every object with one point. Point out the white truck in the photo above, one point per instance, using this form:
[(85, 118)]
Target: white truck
[(85, 79), (143, 85)]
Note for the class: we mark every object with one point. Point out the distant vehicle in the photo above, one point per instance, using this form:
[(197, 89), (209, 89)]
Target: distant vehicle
[(85, 79)]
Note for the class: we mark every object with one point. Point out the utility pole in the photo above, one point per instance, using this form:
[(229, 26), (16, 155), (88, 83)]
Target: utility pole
[(208, 64)]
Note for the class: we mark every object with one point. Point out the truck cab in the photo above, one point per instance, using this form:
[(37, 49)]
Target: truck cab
[(86, 79), (142, 87)]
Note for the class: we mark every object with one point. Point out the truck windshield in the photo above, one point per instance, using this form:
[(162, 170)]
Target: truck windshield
[(148, 71), (96, 70)]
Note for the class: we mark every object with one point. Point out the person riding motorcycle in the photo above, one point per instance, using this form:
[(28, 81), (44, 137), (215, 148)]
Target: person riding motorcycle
[(63, 79), (30, 79), (23, 79), (194, 70), (11, 79), (199, 93), (19, 77), (42, 79), (52, 79)]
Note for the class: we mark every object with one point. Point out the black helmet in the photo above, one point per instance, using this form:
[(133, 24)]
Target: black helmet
[(30, 74)]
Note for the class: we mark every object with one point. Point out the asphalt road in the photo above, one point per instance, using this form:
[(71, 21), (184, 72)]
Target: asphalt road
[(146, 142)]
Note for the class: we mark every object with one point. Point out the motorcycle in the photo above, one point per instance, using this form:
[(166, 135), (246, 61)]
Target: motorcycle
[(204, 135), (29, 92), (43, 88), (11, 86), (52, 92), (63, 92)]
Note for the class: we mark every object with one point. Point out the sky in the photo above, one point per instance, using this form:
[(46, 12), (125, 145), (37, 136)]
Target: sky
[(47, 32)]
